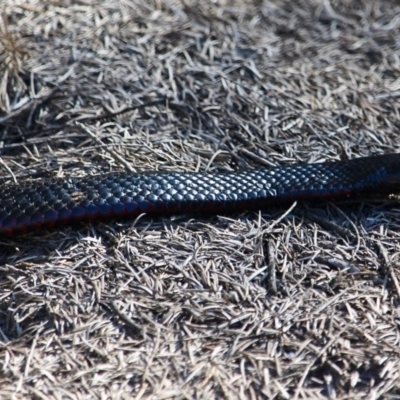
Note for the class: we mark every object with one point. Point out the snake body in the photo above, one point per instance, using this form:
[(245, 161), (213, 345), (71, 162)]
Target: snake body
[(34, 205)]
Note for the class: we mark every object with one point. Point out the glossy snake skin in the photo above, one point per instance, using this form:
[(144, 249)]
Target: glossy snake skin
[(34, 205)]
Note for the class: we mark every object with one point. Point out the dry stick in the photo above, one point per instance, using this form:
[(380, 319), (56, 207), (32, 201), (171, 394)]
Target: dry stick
[(283, 216), (272, 268), (271, 254)]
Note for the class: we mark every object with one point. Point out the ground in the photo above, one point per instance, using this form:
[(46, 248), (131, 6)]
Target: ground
[(294, 302)]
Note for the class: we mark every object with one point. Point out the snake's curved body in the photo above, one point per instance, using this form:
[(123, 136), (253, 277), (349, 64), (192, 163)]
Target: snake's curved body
[(34, 205)]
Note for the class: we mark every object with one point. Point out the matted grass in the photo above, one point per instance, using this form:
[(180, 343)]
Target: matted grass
[(281, 303)]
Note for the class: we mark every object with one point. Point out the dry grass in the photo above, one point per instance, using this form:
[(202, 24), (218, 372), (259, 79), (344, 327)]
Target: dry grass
[(256, 305)]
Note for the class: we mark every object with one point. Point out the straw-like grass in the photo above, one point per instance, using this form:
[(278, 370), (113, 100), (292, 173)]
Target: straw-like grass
[(266, 304)]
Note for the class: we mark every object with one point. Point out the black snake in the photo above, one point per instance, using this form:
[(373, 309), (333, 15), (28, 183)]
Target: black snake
[(34, 205)]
